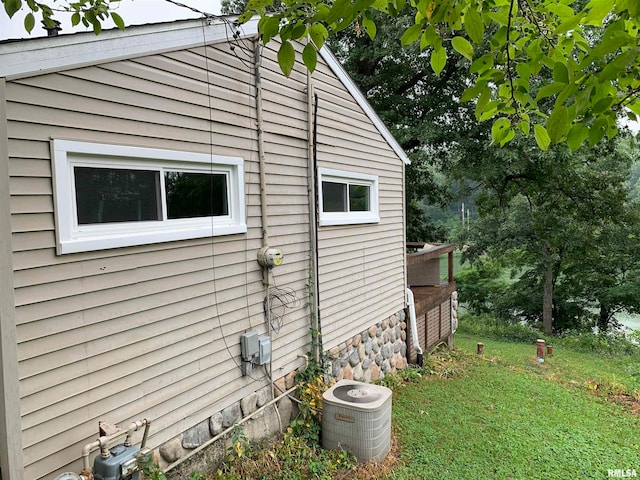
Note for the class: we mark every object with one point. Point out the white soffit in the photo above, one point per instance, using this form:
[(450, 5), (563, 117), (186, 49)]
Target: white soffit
[(47, 54), (344, 77)]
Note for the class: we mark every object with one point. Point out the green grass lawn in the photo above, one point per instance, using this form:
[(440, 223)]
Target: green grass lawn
[(508, 417)]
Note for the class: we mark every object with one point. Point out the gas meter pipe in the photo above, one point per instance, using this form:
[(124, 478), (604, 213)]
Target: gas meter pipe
[(103, 442)]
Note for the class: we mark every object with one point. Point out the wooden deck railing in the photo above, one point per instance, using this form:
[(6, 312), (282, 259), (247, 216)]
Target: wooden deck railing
[(431, 293)]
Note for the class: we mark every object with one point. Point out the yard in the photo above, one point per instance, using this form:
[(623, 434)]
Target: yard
[(506, 416), (499, 416)]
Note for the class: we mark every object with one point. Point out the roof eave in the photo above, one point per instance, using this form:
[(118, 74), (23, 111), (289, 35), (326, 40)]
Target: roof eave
[(33, 57)]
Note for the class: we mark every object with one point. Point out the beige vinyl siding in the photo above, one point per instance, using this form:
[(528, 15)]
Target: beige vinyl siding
[(361, 267), (149, 331)]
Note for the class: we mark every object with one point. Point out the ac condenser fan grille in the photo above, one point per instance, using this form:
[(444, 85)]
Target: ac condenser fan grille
[(355, 394)]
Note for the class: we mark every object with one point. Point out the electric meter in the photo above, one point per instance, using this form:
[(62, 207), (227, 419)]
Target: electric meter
[(270, 257)]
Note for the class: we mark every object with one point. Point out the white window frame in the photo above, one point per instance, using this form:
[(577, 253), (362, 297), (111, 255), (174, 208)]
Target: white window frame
[(72, 237), (348, 178)]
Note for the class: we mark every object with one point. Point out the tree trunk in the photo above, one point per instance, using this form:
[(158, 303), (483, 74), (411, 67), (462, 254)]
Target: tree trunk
[(547, 301), (603, 320)]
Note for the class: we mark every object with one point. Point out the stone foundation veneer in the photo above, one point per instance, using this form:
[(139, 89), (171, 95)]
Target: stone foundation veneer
[(367, 356), (373, 353), (261, 425)]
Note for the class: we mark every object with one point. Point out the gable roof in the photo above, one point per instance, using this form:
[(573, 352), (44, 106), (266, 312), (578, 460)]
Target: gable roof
[(48, 54)]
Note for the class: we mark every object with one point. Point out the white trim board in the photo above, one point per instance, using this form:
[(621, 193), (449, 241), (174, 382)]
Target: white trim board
[(41, 55)]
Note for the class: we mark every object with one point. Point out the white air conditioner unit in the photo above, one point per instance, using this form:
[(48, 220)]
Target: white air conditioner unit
[(356, 417)]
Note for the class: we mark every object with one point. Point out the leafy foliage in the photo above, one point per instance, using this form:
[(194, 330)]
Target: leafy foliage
[(421, 110), (91, 13), (587, 51)]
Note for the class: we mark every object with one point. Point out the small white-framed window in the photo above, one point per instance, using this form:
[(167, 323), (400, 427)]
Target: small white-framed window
[(347, 198), (110, 196)]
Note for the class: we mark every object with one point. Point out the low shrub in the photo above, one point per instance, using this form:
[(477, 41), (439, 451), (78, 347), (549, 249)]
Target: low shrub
[(609, 344)]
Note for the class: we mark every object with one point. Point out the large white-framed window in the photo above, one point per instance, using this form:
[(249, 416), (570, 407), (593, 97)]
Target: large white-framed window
[(110, 196), (347, 198)]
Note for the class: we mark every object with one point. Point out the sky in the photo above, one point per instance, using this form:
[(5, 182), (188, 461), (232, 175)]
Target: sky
[(134, 12)]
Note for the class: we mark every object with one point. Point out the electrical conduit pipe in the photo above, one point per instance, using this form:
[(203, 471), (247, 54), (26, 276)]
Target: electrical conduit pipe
[(414, 326)]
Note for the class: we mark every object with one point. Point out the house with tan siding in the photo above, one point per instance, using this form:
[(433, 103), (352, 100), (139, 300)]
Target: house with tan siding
[(141, 173)]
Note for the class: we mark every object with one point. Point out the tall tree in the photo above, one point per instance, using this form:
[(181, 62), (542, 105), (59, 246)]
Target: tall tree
[(421, 109), (547, 213)]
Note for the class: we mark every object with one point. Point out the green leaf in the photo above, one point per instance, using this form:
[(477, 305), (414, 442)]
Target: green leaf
[(524, 127), (362, 5), (286, 57), (438, 59), (463, 47), (29, 22), (12, 6), (322, 11), (117, 19), (499, 130), (483, 99), (75, 19), (482, 64), (369, 27), (576, 136), (558, 124), (542, 137), (560, 73), (269, 28), (597, 131), (340, 9), (310, 56), (298, 31), (549, 90), (602, 105), (245, 17), (598, 10), (318, 33), (473, 25), (470, 93), (429, 38), (411, 34), (97, 26), (568, 24)]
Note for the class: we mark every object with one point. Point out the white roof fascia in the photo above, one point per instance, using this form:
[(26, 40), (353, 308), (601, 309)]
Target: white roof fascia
[(344, 77), (47, 54)]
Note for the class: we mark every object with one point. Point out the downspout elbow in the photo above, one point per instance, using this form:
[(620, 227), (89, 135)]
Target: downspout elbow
[(414, 326)]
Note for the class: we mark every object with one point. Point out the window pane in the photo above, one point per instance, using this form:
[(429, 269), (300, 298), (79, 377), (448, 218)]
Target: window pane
[(358, 198), (334, 197), (191, 195), (108, 195)]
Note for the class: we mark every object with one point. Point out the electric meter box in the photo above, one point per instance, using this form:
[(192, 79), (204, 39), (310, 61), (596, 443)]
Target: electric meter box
[(249, 345), (270, 257), (120, 465)]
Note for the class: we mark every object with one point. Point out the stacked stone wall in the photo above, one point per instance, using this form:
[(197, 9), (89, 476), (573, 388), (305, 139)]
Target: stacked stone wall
[(373, 353)]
